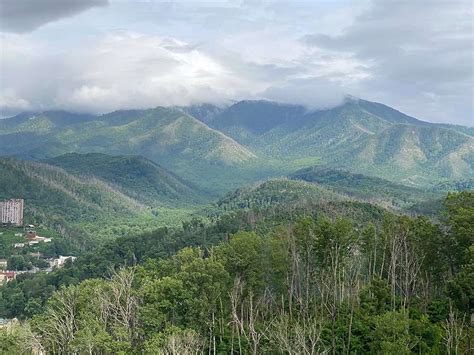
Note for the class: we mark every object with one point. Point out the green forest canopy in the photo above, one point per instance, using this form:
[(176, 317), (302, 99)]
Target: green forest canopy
[(316, 284)]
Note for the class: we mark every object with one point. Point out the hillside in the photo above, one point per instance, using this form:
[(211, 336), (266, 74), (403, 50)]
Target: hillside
[(254, 118), (203, 112), (42, 121), (166, 136), (273, 202), (135, 176), (159, 133), (275, 192), (366, 188), (82, 207), (57, 195), (455, 185), (414, 154)]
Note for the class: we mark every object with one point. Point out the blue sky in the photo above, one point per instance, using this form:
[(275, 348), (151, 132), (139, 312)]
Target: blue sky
[(98, 55)]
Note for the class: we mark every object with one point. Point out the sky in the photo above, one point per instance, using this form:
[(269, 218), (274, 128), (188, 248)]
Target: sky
[(98, 56)]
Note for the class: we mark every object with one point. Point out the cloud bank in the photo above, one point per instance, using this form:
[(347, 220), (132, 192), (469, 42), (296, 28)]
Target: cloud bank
[(416, 56), (415, 51), (122, 70)]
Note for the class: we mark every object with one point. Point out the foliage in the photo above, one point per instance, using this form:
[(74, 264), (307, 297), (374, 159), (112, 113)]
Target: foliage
[(312, 285), (368, 188), (83, 208), (137, 177)]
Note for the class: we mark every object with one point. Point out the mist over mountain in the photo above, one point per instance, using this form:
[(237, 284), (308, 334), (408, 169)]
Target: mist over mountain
[(251, 140), (361, 135)]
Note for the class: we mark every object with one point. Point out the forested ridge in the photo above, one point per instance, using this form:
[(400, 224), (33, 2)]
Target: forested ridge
[(219, 149), (113, 196), (314, 283)]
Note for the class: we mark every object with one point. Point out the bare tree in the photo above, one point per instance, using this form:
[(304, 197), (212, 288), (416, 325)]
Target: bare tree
[(119, 304), (183, 343), (296, 337), (453, 332), (247, 312), (60, 321)]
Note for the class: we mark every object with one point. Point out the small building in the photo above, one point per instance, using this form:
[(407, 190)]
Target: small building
[(6, 276), (37, 239), (42, 239), (59, 262), (3, 264), (19, 245)]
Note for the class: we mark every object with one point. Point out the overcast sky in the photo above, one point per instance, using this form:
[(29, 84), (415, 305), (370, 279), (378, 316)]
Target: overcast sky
[(98, 55)]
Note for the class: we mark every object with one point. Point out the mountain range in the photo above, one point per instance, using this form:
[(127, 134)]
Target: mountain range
[(218, 149), (360, 135)]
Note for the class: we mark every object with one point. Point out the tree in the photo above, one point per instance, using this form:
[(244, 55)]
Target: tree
[(58, 325), (460, 219), (18, 263), (391, 334)]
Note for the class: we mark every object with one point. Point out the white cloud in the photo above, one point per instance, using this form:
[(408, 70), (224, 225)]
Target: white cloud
[(411, 48), (414, 55), (9, 102), (122, 70)]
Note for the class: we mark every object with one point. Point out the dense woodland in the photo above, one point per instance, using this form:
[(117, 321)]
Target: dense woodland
[(259, 209), (313, 283)]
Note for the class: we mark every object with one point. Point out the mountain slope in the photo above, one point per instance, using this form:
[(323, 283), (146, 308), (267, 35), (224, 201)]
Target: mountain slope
[(275, 192), (55, 195), (86, 208), (364, 136), (257, 117), (277, 200), (203, 112), (254, 140), (160, 133), (43, 121), (166, 136), (135, 176), (263, 123), (455, 186), (362, 187), (414, 154)]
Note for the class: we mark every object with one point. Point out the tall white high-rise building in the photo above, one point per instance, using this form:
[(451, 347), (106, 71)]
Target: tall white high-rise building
[(11, 211)]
